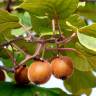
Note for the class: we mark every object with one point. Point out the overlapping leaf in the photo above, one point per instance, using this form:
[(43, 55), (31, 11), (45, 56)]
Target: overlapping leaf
[(8, 21), (80, 61), (89, 30), (87, 41), (61, 8), (80, 81), (88, 11), (42, 12), (28, 90)]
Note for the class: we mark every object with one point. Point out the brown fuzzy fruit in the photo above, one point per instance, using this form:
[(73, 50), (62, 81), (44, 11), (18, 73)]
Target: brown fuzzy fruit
[(21, 75), (39, 72), (2, 75), (62, 67)]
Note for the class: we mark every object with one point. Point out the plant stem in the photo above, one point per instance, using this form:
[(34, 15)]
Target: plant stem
[(7, 69), (8, 7), (53, 27), (63, 49), (59, 28), (13, 58), (21, 50), (60, 49), (42, 41), (29, 57), (66, 40), (10, 56), (11, 41)]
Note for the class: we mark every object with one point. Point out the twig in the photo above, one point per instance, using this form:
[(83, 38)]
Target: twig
[(42, 41), (53, 27), (29, 57), (7, 69), (11, 41), (66, 40), (10, 56), (63, 49), (13, 58), (59, 28), (8, 7), (21, 50)]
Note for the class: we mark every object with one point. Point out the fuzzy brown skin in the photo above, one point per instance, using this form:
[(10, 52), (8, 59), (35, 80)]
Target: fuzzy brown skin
[(21, 75), (2, 76), (62, 67), (39, 72)]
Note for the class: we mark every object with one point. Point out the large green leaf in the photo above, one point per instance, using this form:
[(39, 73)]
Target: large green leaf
[(90, 7), (73, 23), (8, 21), (41, 25), (89, 55), (80, 61), (42, 12), (28, 90), (24, 17), (89, 30), (77, 24), (80, 82), (61, 8), (76, 21), (85, 60), (87, 41)]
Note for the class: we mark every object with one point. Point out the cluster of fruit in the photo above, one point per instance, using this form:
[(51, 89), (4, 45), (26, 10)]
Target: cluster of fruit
[(40, 71)]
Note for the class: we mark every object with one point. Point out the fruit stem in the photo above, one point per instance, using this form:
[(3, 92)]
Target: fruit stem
[(43, 52)]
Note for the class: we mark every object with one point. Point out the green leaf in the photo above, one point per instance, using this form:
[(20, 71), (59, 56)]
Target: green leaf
[(90, 55), (43, 11), (3, 54), (90, 7), (5, 35), (85, 91), (7, 62), (28, 90), (85, 60), (41, 25), (18, 32), (2, 4), (8, 21), (89, 30), (80, 61), (80, 81), (87, 41), (25, 18), (72, 24), (26, 46), (76, 21), (60, 8)]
